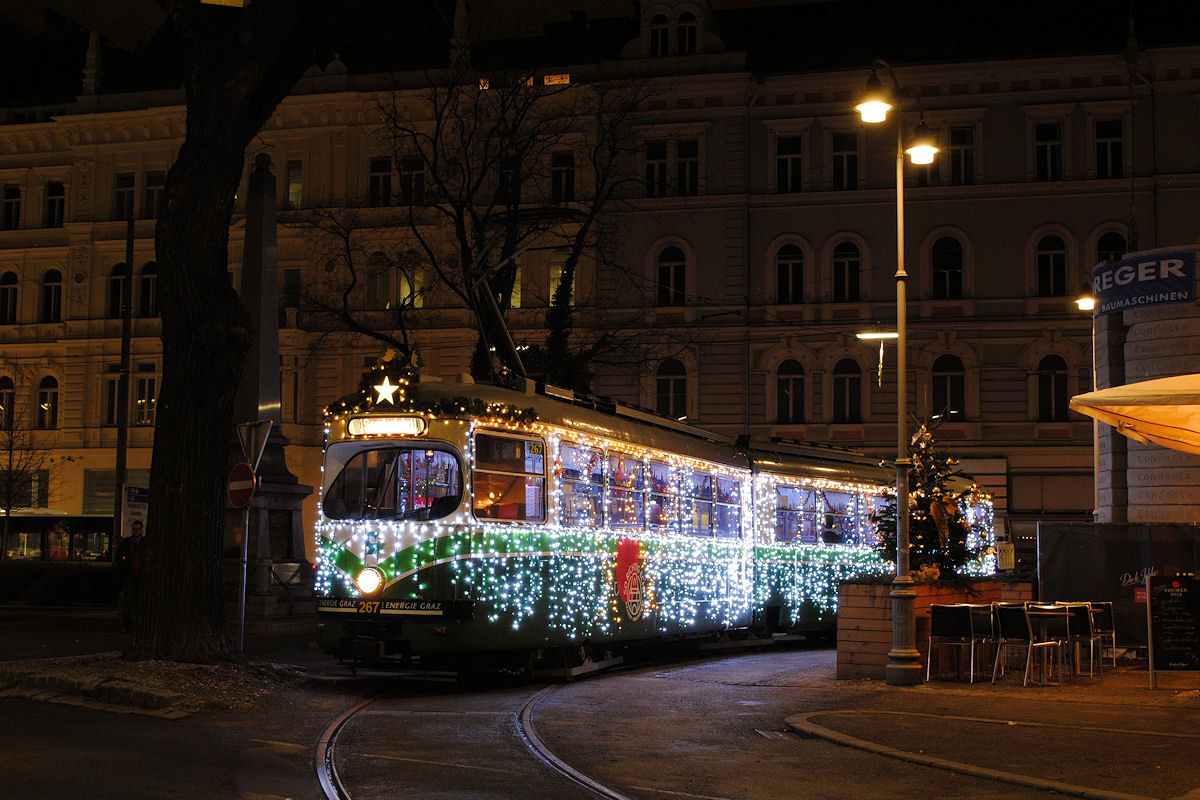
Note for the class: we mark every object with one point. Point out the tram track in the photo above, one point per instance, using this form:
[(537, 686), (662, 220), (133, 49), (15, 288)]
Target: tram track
[(333, 788)]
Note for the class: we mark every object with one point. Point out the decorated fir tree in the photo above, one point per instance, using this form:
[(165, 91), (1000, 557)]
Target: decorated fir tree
[(941, 540)]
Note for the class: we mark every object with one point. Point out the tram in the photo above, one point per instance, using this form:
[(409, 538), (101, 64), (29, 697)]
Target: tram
[(498, 526)]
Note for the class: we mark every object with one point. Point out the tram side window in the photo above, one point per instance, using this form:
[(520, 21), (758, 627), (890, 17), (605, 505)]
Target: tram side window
[(582, 485), (626, 495), (795, 514), (510, 478), (839, 523), (727, 508), (700, 494), (663, 509), (395, 483)]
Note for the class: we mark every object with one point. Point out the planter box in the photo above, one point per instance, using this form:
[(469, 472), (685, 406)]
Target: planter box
[(864, 620)]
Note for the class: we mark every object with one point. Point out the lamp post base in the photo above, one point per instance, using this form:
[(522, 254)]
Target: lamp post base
[(904, 660)]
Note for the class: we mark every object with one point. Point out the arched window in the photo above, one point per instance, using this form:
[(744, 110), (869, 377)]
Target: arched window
[(1052, 389), (52, 292), (790, 392), (1051, 267), (672, 273), (949, 382), (659, 32), (847, 391), (686, 33), (671, 389), (47, 404), (1110, 247), (789, 272), (846, 267), (8, 400), (946, 260), (116, 290), (8, 298), (147, 301), (376, 281)]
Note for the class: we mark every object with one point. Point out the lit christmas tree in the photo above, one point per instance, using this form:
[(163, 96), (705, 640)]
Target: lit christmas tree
[(943, 544)]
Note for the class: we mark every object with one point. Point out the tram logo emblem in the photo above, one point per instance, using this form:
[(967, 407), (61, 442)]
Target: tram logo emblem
[(630, 583)]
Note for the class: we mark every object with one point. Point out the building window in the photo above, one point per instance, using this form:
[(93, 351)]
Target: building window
[(56, 204), (12, 208), (376, 282), (412, 180), (788, 163), (686, 33), (47, 410), (949, 382), (659, 31), (293, 184), (412, 289), (789, 274), (671, 389), (789, 392), (148, 290), (116, 291), (123, 194), (52, 290), (672, 272), (1052, 389), (845, 161), (558, 259), (946, 260), (1110, 148), (1048, 151), (154, 198), (962, 155), (8, 298), (379, 182), (112, 386), (145, 394), (562, 177), (8, 400), (847, 392), (687, 167), (1051, 267), (846, 267), (1110, 247), (508, 185), (656, 168)]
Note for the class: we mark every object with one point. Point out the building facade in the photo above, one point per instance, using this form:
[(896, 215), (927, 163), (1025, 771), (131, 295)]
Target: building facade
[(757, 241)]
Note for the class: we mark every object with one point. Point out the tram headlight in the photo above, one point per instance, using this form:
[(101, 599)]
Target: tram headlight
[(370, 580)]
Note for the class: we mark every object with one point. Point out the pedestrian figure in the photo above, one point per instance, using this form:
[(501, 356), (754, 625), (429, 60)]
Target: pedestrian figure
[(129, 562)]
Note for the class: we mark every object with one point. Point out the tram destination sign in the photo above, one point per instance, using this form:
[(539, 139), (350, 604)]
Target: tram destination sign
[(1145, 279)]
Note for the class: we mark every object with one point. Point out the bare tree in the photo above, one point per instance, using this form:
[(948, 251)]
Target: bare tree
[(26, 466), (238, 64), (494, 166)]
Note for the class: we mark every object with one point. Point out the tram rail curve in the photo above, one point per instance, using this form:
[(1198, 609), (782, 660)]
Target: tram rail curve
[(334, 789)]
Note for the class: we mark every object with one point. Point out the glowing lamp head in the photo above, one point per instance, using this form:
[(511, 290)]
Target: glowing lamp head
[(923, 146), (1086, 303), (370, 580), (873, 105)]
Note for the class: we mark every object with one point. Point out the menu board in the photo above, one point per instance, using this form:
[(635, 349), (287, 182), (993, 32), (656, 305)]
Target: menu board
[(1174, 617)]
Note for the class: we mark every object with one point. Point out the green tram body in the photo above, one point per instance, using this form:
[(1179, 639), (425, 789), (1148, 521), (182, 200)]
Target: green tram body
[(508, 522)]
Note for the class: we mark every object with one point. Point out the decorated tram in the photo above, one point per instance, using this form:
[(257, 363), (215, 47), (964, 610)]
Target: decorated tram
[(521, 526)]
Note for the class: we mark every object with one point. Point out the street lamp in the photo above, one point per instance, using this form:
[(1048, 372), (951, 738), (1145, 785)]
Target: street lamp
[(904, 660)]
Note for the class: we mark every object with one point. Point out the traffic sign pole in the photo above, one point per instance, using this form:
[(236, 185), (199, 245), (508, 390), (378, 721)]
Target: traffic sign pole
[(240, 490)]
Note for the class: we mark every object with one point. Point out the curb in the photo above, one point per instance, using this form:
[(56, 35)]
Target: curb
[(804, 727), (27, 675)]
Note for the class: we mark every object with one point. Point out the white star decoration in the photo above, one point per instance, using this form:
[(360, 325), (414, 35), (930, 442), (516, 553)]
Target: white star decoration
[(386, 390)]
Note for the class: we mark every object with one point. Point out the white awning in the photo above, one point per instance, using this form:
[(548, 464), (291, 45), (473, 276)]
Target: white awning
[(1165, 411)]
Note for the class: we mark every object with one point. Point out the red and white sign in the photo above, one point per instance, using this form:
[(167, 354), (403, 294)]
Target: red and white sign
[(241, 485)]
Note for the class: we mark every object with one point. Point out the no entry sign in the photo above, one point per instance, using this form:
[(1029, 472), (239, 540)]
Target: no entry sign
[(241, 485)]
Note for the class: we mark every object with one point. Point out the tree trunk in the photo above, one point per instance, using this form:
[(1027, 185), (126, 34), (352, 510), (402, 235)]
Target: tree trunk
[(239, 64)]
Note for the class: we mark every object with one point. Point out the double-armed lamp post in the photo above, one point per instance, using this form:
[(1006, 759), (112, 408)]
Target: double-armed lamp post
[(904, 660)]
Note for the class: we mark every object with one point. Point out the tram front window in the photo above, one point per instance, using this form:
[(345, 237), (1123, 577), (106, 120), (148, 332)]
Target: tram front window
[(395, 483)]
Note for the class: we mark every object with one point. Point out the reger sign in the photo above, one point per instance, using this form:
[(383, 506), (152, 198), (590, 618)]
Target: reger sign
[(1122, 273)]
